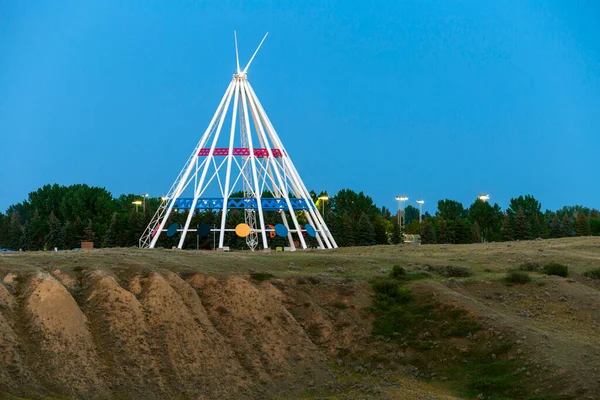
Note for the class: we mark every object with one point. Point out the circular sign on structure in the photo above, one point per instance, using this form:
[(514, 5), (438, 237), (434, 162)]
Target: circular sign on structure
[(203, 230), (281, 230), (242, 230), (172, 230), (310, 230)]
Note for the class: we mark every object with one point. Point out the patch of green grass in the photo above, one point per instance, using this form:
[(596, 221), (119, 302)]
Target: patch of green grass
[(399, 312), (496, 378), (517, 277), (556, 269), (593, 273), (261, 276), (530, 266), (454, 271), (415, 276), (427, 326)]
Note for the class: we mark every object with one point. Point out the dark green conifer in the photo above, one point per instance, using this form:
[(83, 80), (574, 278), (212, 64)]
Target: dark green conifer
[(427, 234), (508, 233), (582, 225), (54, 237), (476, 233)]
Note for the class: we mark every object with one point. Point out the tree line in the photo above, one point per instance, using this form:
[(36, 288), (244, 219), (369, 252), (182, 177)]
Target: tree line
[(61, 217)]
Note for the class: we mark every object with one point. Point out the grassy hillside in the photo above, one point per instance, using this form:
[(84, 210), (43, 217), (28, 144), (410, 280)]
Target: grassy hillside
[(481, 321)]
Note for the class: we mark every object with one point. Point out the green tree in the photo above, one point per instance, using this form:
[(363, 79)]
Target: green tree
[(443, 233), (4, 230), (582, 225), (556, 227), (111, 237), (39, 229), (69, 236), (427, 234), (532, 215), (88, 232), (26, 238), (521, 230), (508, 232), (462, 231), (348, 236), (488, 217), (381, 236), (397, 236), (365, 233), (566, 224), (410, 214), (14, 232), (349, 202), (475, 233), (450, 209), (54, 237)]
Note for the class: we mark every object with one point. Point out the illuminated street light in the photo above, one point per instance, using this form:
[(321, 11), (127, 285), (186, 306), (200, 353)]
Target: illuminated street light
[(144, 196), (420, 209), (401, 199), (324, 199), (137, 204), (483, 197)]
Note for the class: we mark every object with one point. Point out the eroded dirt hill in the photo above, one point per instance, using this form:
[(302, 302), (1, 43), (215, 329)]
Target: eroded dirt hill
[(160, 335)]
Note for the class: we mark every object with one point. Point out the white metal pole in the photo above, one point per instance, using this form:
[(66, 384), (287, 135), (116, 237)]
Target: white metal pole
[(289, 235), (229, 158)]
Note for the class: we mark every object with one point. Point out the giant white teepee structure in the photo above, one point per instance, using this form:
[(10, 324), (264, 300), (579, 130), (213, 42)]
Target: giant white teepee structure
[(249, 159)]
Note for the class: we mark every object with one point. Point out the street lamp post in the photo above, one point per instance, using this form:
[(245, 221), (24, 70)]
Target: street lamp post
[(420, 209), (144, 197), (401, 200), (323, 200), (137, 203)]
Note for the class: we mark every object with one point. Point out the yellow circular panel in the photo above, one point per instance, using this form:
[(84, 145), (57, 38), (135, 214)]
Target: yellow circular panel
[(242, 230)]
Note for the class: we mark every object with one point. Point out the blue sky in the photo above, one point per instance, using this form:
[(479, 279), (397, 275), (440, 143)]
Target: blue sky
[(432, 99)]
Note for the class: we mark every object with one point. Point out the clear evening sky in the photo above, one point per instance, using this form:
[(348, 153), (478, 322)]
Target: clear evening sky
[(429, 99)]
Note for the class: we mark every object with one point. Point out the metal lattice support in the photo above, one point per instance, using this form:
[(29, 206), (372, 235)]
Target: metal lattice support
[(254, 162), (249, 213)]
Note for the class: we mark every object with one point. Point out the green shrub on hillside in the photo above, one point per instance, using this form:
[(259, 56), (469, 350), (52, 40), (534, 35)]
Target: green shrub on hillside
[(261, 276), (593, 273), (556, 269), (530, 266), (398, 272), (517, 277), (456, 271), (388, 294)]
